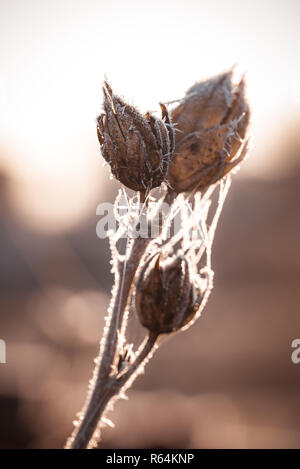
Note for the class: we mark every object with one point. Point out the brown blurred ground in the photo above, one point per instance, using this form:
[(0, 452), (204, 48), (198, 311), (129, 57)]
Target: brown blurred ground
[(226, 382)]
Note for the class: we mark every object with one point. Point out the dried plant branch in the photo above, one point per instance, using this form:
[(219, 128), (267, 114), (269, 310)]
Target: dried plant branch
[(166, 279), (104, 385), (103, 393)]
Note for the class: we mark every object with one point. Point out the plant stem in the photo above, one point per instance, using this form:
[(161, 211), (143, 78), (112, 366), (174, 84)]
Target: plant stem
[(103, 390), (106, 384), (145, 352), (112, 388)]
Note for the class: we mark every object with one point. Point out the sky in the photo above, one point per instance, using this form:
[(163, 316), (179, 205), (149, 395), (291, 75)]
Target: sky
[(55, 54)]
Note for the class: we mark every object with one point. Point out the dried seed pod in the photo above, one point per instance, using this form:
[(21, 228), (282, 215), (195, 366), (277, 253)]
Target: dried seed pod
[(166, 299), (138, 148), (213, 119)]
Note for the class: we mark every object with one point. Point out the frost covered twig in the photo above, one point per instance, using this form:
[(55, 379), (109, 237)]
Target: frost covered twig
[(164, 276)]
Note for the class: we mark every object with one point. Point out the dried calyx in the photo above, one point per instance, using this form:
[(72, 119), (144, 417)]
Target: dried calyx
[(166, 297), (212, 119), (138, 148)]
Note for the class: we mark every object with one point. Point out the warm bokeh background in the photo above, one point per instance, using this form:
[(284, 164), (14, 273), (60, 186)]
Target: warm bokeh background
[(229, 380)]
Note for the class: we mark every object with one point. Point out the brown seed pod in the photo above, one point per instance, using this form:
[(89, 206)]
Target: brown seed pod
[(138, 148), (212, 119), (166, 299)]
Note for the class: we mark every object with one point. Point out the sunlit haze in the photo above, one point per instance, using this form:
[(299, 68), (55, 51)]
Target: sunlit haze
[(54, 56)]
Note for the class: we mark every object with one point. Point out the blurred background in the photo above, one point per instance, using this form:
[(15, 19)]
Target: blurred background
[(228, 382)]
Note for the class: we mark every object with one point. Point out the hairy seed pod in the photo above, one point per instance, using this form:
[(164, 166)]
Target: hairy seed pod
[(166, 299), (212, 120), (138, 148)]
